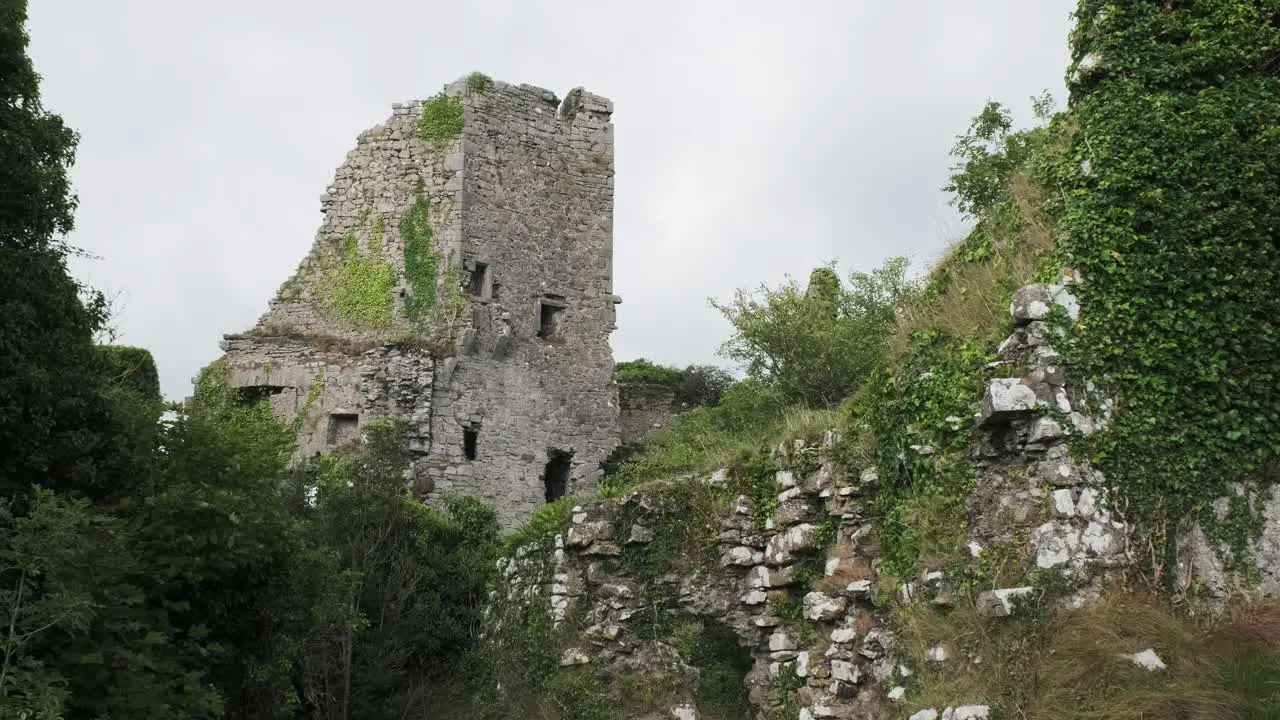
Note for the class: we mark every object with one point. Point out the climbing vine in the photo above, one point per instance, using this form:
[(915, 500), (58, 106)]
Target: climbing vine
[(419, 259), (361, 287), (1168, 208)]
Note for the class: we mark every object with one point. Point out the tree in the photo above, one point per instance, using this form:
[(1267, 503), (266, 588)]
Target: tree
[(816, 346)]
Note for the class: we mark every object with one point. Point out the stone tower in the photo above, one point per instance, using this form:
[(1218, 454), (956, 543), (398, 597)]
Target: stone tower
[(462, 281)]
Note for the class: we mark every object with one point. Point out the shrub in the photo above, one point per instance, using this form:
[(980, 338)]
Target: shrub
[(816, 346)]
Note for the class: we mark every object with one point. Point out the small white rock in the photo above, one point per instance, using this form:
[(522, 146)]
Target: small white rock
[(1147, 659), (897, 693)]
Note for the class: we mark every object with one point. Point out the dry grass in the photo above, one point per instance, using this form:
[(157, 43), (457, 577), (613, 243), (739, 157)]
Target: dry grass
[(974, 295), (854, 566), (1046, 664)]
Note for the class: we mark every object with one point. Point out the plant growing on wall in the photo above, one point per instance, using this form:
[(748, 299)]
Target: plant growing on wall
[(1169, 210), (441, 120), (360, 287)]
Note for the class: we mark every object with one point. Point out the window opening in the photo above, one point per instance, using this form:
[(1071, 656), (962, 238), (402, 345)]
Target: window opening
[(549, 315), (343, 428), (479, 286), (556, 476), (470, 439), (254, 394)]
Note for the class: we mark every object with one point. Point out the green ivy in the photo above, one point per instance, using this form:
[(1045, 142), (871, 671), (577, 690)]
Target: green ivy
[(441, 120), (419, 259), (379, 230), (479, 82), (361, 292), (922, 418), (1169, 209)]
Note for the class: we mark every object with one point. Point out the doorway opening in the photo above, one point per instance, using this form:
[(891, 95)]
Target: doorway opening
[(556, 476)]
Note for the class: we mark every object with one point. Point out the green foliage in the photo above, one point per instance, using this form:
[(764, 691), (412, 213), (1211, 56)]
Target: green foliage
[(419, 258), (722, 665), (572, 104), (441, 120), (362, 287), (684, 518), (695, 385), (479, 82), (817, 346), (747, 416), (418, 578), (644, 371), (133, 369), (545, 522), (1168, 208), (921, 417), (379, 232)]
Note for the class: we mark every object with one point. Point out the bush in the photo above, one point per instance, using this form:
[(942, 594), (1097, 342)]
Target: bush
[(815, 347)]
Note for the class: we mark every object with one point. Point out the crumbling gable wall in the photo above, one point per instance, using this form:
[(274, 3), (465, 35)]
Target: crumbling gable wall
[(503, 368)]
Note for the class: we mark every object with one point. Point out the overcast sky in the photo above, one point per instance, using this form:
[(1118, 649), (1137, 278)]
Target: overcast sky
[(752, 141)]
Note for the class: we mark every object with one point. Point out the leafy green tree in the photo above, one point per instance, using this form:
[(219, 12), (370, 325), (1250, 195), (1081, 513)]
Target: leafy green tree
[(415, 578), (817, 345)]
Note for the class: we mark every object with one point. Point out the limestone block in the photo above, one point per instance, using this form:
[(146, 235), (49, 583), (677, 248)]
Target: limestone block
[(1006, 399), (820, 606), (782, 549), (1062, 503), (1034, 302), (780, 640), (586, 533), (1000, 603), (574, 656), (741, 557), (967, 712)]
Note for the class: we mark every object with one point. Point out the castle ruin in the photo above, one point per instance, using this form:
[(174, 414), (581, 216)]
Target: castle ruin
[(461, 281)]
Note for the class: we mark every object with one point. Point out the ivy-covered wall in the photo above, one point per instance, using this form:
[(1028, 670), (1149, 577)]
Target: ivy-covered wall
[(1168, 207)]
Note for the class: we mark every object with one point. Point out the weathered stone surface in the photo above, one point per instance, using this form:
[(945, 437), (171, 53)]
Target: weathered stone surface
[(494, 409), (1007, 398), (582, 535), (820, 606), (1000, 603), (782, 549), (1034, 302)]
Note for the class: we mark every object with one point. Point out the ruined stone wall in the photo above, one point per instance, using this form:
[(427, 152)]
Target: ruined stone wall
[(519, 187), (536, 230), (644, 409)]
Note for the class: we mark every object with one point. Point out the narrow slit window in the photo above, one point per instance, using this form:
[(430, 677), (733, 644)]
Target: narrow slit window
[(479, 285), (470, 442)]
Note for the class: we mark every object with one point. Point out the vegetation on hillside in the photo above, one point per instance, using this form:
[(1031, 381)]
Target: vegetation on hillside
[(178, 565)]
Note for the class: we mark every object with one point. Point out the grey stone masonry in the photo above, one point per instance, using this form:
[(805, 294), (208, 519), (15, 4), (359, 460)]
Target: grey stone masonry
[(506, 378)]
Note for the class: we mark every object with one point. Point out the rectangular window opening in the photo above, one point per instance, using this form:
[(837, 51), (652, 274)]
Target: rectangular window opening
[(343, 428), (549, 319), (470, 440), (555, 478), (479, 285), (254, 394)]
